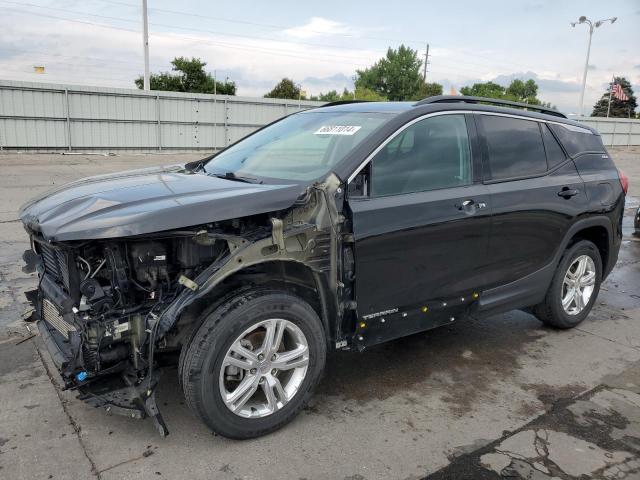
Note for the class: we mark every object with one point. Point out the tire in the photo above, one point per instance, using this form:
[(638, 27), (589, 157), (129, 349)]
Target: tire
[(205, 364), (551, 311), (204, 314)]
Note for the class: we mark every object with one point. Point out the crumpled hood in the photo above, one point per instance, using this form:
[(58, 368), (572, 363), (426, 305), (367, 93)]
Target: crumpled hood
[(148, 200)]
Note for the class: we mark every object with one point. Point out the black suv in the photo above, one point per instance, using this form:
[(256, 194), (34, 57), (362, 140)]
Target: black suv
[(335, 228)]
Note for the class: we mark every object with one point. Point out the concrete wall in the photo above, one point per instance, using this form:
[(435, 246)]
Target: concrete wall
[(47, 117)]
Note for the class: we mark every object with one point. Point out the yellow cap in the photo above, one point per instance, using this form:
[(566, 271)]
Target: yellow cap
[(425, 309)]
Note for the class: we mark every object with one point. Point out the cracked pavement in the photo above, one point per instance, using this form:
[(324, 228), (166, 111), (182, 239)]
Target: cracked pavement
[(502, 397)]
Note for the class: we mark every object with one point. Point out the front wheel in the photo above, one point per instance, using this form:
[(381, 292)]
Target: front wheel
[(253, 363), (574, 287)]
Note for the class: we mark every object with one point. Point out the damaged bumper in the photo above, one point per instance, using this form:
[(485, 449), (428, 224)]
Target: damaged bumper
[(116, 392)]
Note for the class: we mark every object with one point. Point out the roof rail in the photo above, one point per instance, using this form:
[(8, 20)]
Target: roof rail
[(343, 102), (490, 101)]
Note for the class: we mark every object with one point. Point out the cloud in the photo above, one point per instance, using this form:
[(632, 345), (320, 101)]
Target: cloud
[(76, 53), (592, 67), (337, 82), (318, 27), (545, 84)]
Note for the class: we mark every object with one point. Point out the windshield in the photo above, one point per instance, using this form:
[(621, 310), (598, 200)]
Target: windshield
[(302, 147)]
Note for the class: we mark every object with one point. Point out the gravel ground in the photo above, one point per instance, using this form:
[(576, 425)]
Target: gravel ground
[(498, 397)]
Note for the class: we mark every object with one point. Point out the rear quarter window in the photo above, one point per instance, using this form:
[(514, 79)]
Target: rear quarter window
[(555, 155), (576, 142), (514, 147)]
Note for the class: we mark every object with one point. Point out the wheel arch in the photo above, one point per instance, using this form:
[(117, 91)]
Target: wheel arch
[(599, 236), (598, 230), (287, 275)]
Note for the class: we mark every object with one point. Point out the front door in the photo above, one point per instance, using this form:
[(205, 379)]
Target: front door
[(421, 232)]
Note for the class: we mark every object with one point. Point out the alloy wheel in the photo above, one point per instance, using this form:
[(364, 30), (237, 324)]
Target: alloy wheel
[(578, 285), (264, 368)]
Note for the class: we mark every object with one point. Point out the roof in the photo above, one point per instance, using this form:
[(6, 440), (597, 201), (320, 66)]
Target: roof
[(367, 107), (440, 103)]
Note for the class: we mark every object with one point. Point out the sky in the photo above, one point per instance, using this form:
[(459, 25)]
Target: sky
[(320, 45)]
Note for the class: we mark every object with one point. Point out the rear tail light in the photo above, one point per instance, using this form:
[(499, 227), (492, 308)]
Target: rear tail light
[(624, 181)]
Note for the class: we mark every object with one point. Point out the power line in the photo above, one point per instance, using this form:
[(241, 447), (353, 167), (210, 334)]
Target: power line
[(196, 40), (265, 25), (78, 57), (180, 27), (263, 50), (254, 37), (475, 55)]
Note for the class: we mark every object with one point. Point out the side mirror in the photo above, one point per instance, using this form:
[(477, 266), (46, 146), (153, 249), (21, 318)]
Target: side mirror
[(359, 186)]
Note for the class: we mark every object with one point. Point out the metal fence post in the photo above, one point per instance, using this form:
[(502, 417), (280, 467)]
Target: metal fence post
[(68, 122), (158, 127), (215, 123), (226, 121)]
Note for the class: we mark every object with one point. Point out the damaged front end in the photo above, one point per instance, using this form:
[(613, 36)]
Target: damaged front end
[(114, 310)]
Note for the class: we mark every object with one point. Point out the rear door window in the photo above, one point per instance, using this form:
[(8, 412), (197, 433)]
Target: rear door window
[(514, 147)]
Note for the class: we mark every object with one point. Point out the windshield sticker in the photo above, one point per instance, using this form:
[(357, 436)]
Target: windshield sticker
[(337, 130)]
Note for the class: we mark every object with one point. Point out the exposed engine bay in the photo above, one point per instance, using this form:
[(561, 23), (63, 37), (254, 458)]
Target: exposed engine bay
[(118, 309)]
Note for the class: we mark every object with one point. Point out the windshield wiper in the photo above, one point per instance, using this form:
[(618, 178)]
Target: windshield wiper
[(237, 178)]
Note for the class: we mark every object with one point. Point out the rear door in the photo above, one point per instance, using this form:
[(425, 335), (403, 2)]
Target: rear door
[(536, 194), (421, 234)]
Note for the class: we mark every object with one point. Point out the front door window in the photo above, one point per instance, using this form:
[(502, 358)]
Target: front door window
[(431, 154)]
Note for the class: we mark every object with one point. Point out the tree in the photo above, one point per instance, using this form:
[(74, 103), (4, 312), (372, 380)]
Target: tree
[(520, 91), (191, 77), (330, 96), (428, 90), (486, 89), (360, 94), (286, 88), (366, 94), (517, 91), (619, 108), (395, 77)]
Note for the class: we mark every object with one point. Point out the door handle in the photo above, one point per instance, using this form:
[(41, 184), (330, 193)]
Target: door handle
[(469, 205), (567, 192), (465, 204)]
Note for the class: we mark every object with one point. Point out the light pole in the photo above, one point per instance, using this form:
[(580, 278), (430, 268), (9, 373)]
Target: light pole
[(592, 26), (145, 44)]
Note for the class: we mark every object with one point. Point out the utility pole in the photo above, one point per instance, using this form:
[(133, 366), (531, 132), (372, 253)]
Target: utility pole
[(145, 43), (426, 60)]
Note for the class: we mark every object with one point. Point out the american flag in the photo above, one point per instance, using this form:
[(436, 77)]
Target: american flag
[(619, 93)]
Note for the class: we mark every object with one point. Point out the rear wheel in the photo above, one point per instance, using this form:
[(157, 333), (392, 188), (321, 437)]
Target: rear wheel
[(574, 287), (253, 363)]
